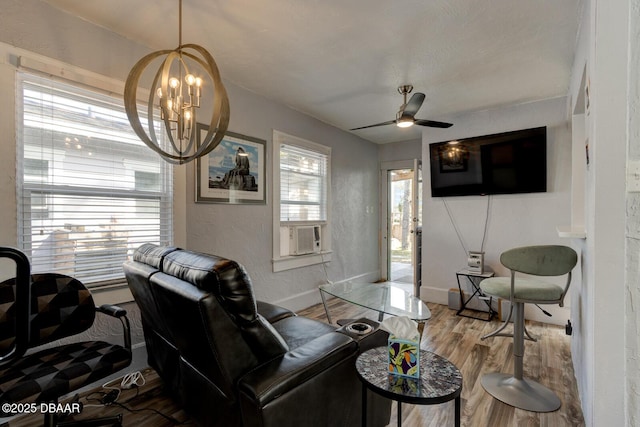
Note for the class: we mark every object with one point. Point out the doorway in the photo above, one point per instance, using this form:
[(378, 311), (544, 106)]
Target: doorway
[(401, 186)]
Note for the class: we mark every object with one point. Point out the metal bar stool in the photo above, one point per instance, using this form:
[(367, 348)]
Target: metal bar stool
[(550, 260)]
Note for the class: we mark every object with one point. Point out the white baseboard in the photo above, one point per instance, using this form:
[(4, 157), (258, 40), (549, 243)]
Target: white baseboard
[(436, 295), (299, 301), (311, 297), (560, 315)]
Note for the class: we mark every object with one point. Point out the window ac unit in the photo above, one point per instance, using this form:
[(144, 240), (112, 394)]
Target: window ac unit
[(304, 239)]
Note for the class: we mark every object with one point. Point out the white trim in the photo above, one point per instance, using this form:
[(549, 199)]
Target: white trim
[(16, 58), (440, 295), (116, 295), (291, 262), (312, 297), (385, 167), (283, 263), (397, 164), (70, 73), (20, 58), (275, 196), (571, 232), (300, 301), (179, 229), (108, 187), (285, 138)]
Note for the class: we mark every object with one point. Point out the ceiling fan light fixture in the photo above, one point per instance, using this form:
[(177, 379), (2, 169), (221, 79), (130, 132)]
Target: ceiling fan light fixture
[(405, 117), (405, 123)]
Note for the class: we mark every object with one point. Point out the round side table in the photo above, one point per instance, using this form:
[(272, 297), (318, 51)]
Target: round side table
[(440, 381)]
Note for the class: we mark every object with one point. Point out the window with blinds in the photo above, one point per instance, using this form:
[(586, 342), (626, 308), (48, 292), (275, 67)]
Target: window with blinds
[(89, 191), (303, 184)]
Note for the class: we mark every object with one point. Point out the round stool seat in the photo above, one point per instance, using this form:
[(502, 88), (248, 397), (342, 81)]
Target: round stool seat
[(524, 289)]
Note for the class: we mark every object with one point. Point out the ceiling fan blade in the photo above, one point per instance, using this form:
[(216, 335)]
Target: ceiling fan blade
[(432, 124), (390, 122), (413, 105)]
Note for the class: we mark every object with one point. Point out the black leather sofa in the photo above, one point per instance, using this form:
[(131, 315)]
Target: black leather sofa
[(230, 360)]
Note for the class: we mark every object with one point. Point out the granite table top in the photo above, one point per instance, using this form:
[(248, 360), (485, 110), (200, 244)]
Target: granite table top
[(439, 381)]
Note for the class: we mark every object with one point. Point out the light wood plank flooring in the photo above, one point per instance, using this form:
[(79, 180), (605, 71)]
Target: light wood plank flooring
[(456, 338)]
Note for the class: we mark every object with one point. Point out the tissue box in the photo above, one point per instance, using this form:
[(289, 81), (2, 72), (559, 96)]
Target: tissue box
[(404, 357)]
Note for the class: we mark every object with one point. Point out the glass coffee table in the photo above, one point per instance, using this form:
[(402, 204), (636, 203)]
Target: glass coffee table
[(385, 298)]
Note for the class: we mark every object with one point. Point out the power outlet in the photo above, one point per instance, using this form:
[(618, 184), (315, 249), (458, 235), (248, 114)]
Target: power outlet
[(633, 177)]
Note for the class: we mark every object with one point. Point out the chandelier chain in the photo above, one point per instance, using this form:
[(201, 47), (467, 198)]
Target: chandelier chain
[(180, 25)]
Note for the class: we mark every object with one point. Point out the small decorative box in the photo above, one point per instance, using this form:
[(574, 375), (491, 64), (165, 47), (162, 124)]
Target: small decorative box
[(404, 356)]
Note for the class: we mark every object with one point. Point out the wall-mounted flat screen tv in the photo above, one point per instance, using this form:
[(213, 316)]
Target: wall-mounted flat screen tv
[(504, 163)]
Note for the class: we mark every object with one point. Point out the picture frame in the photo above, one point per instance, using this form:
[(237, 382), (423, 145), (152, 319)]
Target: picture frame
[(234, 172)]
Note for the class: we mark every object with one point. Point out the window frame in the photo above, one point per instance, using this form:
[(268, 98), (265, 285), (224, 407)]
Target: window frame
[(282, 261), (108, 291)]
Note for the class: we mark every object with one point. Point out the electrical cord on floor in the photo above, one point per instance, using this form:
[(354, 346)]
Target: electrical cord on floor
[(324, 267), (128, 381), (543, 310), (165, 416), (112, 394), (99, 400), (133, 379)]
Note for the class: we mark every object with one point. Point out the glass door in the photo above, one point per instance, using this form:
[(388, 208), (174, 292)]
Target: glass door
[(402, 187)]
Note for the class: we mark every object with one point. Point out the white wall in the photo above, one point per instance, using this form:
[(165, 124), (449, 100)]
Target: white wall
[(607, 131), (582, 340), (514, 220), (633, 229), (405, 150), (606, 327), (244, 233)]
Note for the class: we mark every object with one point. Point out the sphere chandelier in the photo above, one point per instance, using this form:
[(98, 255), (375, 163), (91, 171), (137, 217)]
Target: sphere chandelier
[(176, 91)]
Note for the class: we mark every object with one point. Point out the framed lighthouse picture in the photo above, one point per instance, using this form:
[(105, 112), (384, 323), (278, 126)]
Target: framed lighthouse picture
[(232, 173)]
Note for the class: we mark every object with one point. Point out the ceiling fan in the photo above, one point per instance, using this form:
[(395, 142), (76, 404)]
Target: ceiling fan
[(405, 117)]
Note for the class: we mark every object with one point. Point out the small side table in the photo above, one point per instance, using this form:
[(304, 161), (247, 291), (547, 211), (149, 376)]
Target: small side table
[(440, 381), (474, 279)]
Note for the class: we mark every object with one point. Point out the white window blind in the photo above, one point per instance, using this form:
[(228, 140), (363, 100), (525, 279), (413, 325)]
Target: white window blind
[(303, 184), (89, 191)]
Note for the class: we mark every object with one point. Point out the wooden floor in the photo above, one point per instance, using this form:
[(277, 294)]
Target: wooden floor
[(456, 338)]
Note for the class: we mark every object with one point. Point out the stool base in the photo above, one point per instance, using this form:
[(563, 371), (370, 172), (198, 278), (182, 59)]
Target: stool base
[(524, 394)]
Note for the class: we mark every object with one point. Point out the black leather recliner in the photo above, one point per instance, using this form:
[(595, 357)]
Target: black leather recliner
[(230, 360)]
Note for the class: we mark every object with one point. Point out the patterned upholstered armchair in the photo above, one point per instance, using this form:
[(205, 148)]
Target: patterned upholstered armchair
[(40, 309)]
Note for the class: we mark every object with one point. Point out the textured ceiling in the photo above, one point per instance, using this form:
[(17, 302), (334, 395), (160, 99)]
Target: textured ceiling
[(342, 61)]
